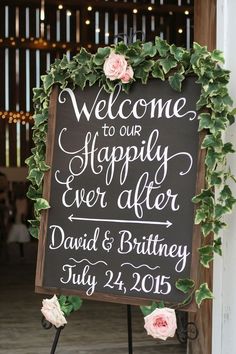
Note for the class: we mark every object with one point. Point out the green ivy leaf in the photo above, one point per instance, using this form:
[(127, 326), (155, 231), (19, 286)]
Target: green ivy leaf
[(100, 56), (34, 193), (211, 159), (83, 57), (142, 71), (121, 48), (218, 226), (202, 102), (225, 193), (177, 52), (215, 179), (48, 81), (217, 246), (149, 49), (203, 293), (40, 118), (147, 310), (162, 46), (35, 176), (200, 216), (62, 300), (168, 63), (220, 210), (75, 301), (205, 121), (206, 255), (43, 166), (80, 79), (34, 223), (41, 204), (30, 161), (207, 228), (218, 56), (176, 81), (92, 78), (205, 259), (205, 193), (184, 285), (227, 148), (212, 141), (34, 231), (157, 71)]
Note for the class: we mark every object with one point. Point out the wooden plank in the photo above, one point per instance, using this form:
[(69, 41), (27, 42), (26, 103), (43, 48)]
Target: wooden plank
[(12, 21), (2, 142), (32, 74), (2, 79), (24, 145), (2, 22), (12, 145), (22, 79), (84, 33), (12, 79), (63, 25), (22, 19), (205, 34), (32, 21), (102, 27), (205, 23), (73, 26)]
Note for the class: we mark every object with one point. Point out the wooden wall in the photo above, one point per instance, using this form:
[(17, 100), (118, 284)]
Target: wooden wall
[(33, 33)]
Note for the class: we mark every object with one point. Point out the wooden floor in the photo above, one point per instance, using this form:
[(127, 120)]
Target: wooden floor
[(98, 328)]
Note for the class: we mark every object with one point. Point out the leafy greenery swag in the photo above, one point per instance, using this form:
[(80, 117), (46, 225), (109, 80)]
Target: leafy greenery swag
[(164, 62)]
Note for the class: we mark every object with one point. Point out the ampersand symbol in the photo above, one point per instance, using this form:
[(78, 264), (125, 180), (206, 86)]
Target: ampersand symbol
[(107, 242)]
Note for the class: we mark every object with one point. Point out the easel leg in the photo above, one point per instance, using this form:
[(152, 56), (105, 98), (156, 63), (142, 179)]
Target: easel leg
[(57, 335), (129, 324)]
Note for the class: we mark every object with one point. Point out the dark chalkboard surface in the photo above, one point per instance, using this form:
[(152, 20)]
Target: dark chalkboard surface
[(124, 171)]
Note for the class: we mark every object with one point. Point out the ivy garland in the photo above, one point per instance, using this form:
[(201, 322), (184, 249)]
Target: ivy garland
[(164, 62)]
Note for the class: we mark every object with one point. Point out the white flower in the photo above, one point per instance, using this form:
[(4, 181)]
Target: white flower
[(52, 312)]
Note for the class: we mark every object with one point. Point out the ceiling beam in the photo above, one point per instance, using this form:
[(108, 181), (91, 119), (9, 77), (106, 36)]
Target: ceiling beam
[(106, 5)]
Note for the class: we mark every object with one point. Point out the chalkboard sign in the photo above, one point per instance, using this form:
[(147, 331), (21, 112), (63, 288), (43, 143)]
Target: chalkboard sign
[(123, 172)]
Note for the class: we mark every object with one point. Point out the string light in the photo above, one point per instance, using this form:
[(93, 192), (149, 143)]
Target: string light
[(14, 117), (68, 12), (89, 8), (87, 22), (60, 7), (149, 8), (186, 12), (180, 30), (97, 30), (135, 11)]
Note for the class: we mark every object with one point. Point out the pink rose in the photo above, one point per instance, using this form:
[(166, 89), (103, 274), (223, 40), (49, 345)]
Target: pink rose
[(129, 74), (115, 66), (52, 312), (161, 323)]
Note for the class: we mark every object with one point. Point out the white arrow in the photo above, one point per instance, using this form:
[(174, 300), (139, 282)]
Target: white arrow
[(167, 223)]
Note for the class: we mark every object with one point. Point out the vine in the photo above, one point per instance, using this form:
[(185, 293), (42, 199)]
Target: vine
[(164, 62)]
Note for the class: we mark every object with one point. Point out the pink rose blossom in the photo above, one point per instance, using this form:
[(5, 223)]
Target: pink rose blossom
[(115, 66), (161, 323), (129, 74), (52, 312)]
